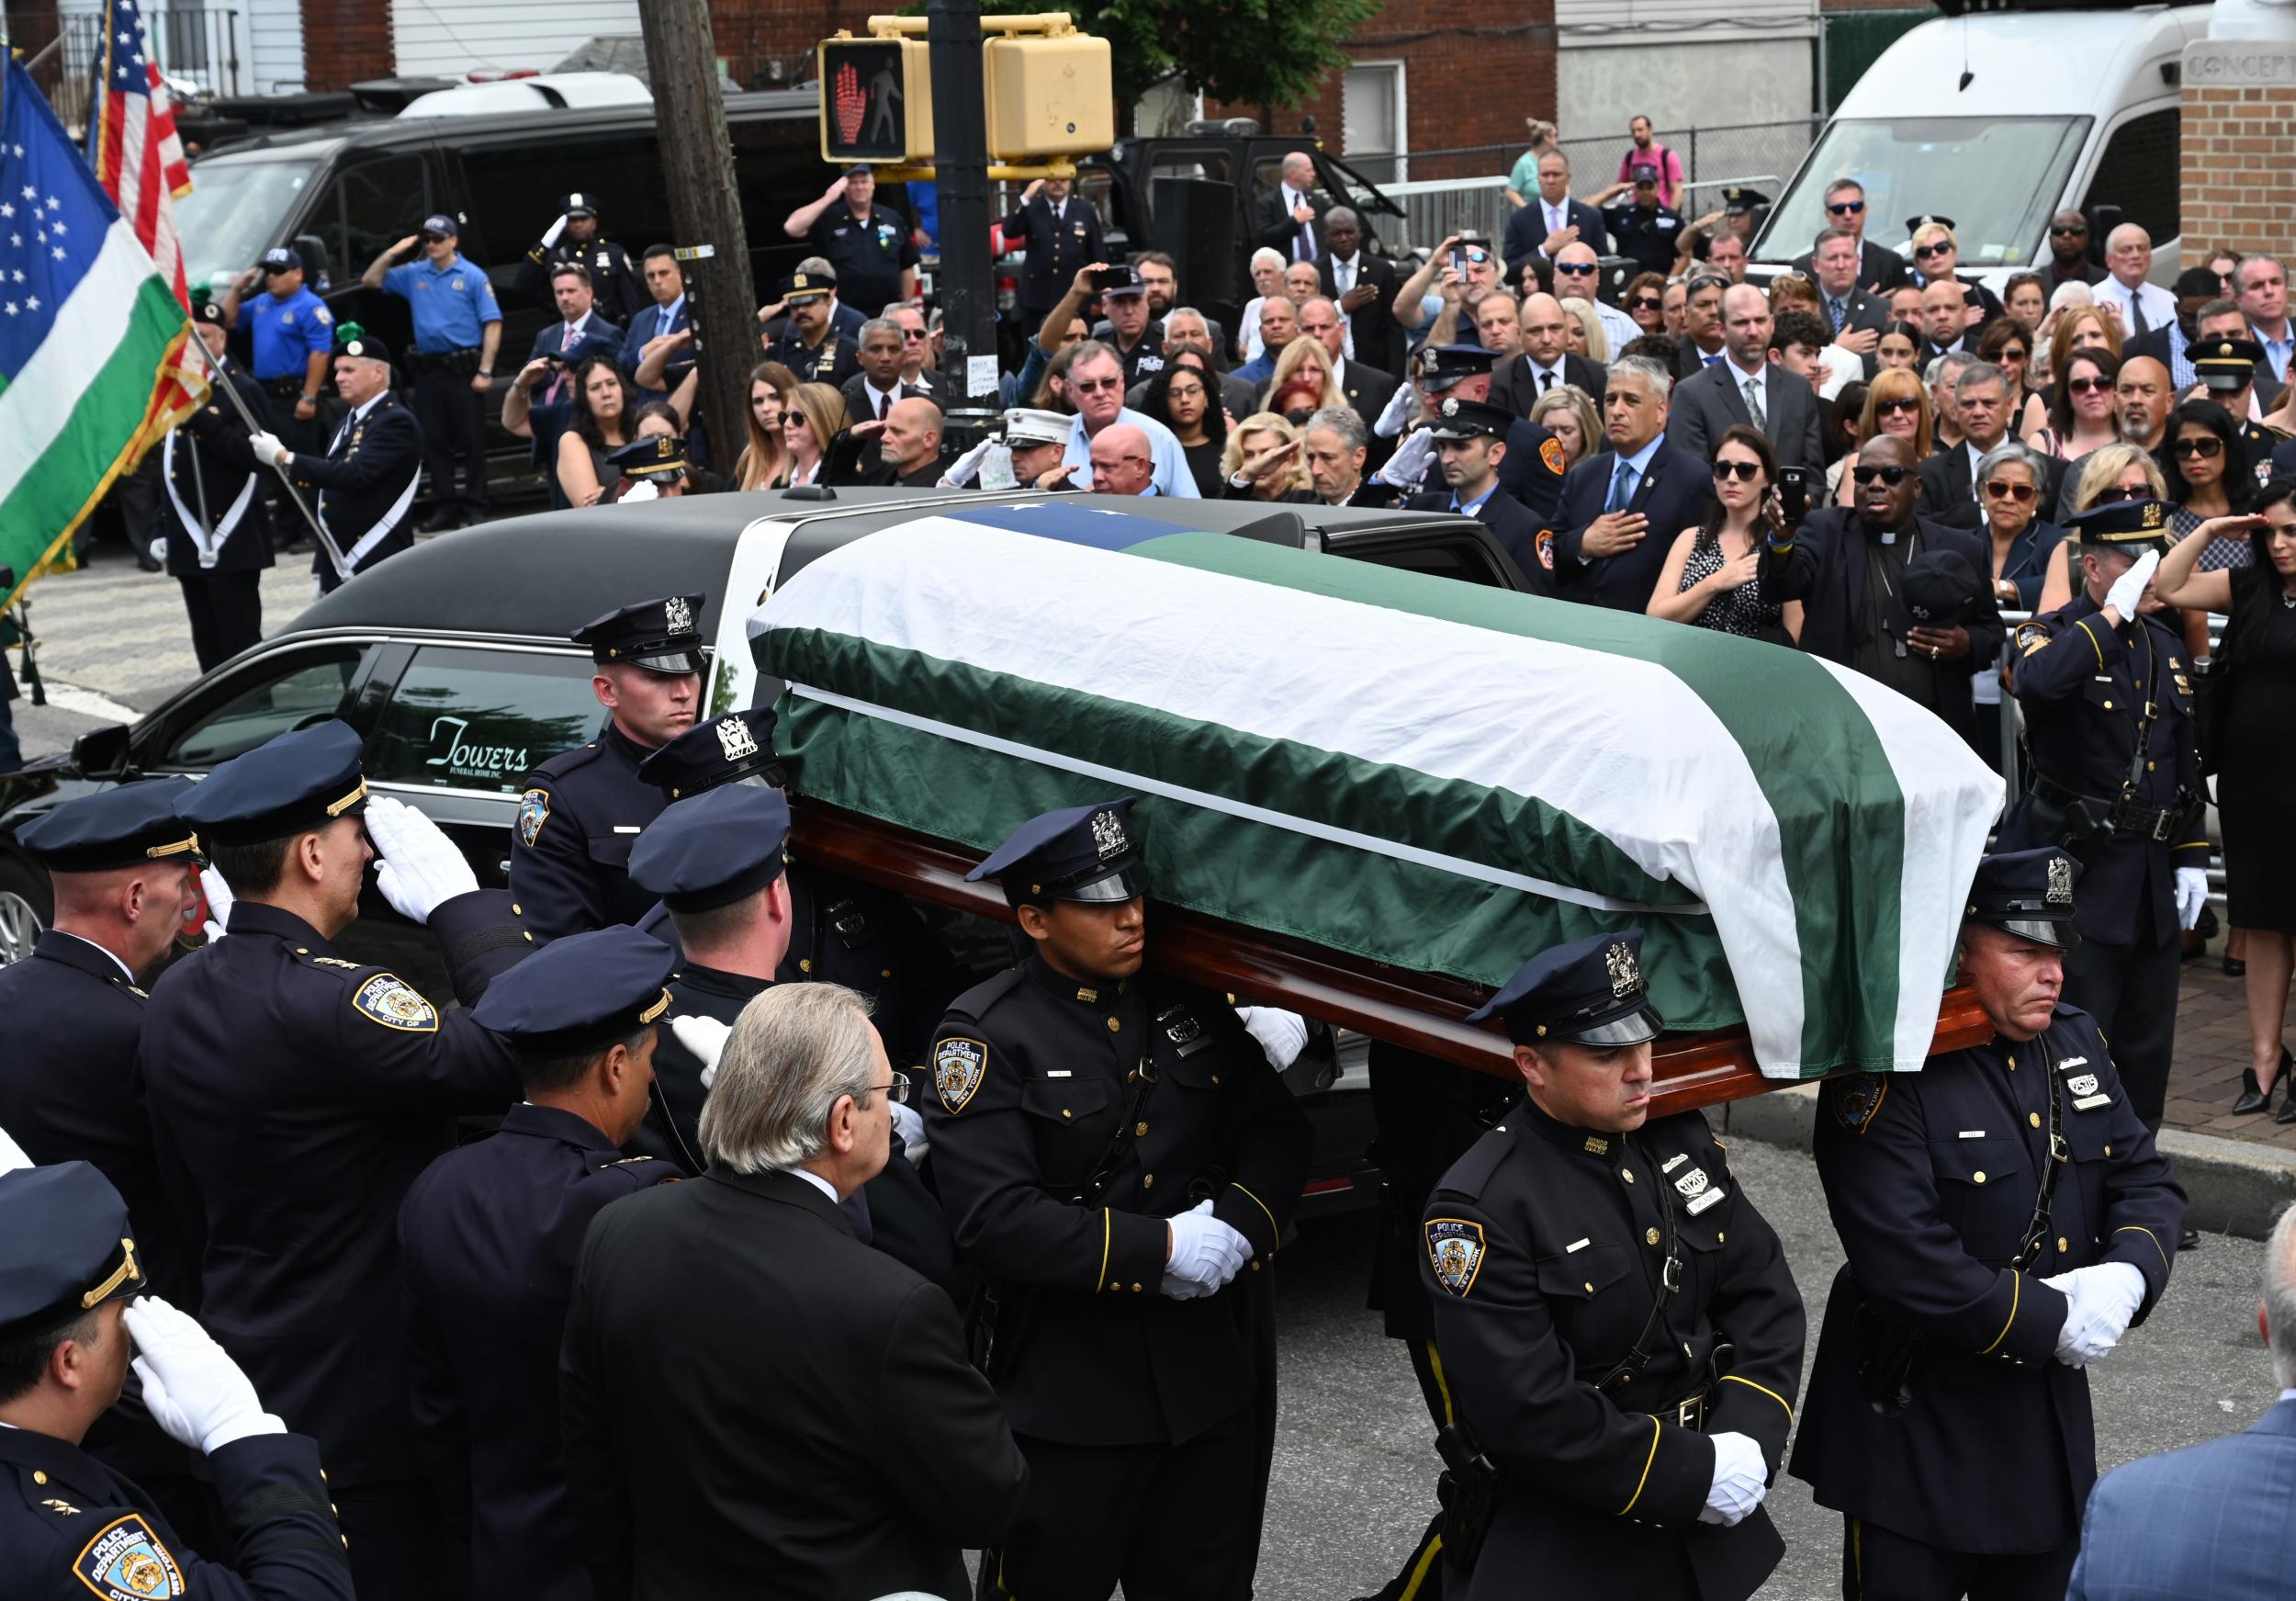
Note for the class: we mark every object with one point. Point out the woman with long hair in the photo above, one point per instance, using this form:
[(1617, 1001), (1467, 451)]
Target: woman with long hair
[(1897, 403), (1645, 301), (1264, 451), (2081, 416), (1711, 576), (1568, 412), (1303, 382), (763, 463), (1898, 348), (2006, 345), (1591, 342), (1185, 399), (602, 423), (2026, 299), (815, 417), (2204, 463), (2073, 328)]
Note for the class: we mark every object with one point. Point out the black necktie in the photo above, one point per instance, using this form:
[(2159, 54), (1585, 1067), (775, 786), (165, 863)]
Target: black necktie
[(2136, 311)]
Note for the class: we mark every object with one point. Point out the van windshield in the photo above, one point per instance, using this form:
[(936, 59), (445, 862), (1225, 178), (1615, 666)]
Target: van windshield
[(236, 211), (1998, 179)]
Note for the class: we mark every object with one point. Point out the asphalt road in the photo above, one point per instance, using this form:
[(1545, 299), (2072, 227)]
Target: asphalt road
[(1354, 1456)]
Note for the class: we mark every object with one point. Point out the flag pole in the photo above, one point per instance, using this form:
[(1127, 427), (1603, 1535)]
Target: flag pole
[(218, 381)]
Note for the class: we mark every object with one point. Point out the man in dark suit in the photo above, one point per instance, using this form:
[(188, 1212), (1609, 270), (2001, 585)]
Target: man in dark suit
[(1701, 344), (870, 394), (487, 1238), (1061, 232), (1851, 569), (821, 1424), (1747, 387), (666, 314), (1289, 219), (1949, 478), (908, 442), (1547, 360), (1552, 219), (578, 334), (1364, 286), (1879, 270), (367, 479), (1470, 441), (1622, 508), (1854, 314)]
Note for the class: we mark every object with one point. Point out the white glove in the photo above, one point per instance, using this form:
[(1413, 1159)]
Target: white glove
[(550, 234), (267, 447), (2129, 588), (704, 1038), (421, 869), (1409, 463), (12, 1154), (2099, 1302), (159, 548), (1206, 1253), (967, 467), (1392, 416), (639, 493), (910, 1125), (1282, 1035), (2192, 896), (1738, 1472), (219, 895), (192, 1388)]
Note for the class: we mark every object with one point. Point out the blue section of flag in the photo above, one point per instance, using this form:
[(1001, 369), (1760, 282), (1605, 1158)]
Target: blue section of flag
[(1075, 525), (53, 218), (123, 51)]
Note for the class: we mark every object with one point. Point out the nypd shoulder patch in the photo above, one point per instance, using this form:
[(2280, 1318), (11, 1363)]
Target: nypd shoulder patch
[(1857, 1100), (387, 1000), (1455, 1249), (2030, 636), (126, 1562), (534, 810), (959, 1066)]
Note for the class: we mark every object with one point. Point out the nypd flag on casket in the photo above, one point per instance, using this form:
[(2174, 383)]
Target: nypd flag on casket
[(1422, 772)]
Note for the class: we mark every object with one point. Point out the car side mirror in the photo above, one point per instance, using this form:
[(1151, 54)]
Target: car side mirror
[(102, 752)]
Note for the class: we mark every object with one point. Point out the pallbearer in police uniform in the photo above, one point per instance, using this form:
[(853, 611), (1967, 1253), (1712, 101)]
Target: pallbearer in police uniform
[(294, 1096), (1113, 1152), (2007, 1219), (2107, 695), (573, 237), (488, 1239), (584, 808), (1620, 1333), (215, 529), (374, 463), (72, 1525)]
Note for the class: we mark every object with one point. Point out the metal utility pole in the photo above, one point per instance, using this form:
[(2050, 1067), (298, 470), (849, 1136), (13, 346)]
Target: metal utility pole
[(968, 285), (705, 207)]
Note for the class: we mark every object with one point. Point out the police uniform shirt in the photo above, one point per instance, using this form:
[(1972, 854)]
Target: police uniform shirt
[(867, 255), (1032, 1072), (450, 304), (581, 813), (834, 361), (1932, 1178), (1543, 1251), (1145, 359), (208, 462), (619, 291), (283, 334), (488, 1240), (870, 939), (1652, 239)]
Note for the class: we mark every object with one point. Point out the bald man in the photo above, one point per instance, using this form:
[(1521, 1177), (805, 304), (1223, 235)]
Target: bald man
[(909, 448), (1122, 462), (1546, 362), (1289, 218)]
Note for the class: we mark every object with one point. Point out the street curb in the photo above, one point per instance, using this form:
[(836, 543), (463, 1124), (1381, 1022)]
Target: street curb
[(2236, 1187)]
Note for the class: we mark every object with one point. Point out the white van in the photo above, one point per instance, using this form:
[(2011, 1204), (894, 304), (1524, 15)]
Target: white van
[(1998, 121)]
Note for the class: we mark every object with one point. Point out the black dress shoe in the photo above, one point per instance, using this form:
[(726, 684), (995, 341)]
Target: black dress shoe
[(2189, 1239), (2251, 1099), (2286, 1114), (2235, 968)]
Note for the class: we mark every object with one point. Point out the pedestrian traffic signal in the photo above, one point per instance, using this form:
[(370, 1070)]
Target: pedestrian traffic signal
[(1047, 96), (876, 100)]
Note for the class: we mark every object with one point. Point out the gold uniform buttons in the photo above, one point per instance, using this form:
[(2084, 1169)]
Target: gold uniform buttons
[(1590, 1288), (1140, 1130), (1066, 1113), (1627, 1174), (884, 971), (2107, 1150), (1651, 1237), (1115, 1027), (804, 965), (1978, 1177), (2034, 1117), (517, 910), (1147, 1180), (38, 1477), (2064, 1244), (1135, 1290)]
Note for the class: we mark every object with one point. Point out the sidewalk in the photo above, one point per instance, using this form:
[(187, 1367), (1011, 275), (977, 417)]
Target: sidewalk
[(2212, 1050)]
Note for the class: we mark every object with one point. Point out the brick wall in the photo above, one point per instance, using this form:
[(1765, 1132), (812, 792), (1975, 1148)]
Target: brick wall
[(2239, 165), (344, 41), (768, 43)]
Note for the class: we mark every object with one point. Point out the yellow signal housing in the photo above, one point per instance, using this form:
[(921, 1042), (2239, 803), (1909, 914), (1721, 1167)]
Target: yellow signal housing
[(1047, 95)]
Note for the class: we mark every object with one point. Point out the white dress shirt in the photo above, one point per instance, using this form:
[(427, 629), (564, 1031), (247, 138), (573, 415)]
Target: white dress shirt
[(2160, 306)]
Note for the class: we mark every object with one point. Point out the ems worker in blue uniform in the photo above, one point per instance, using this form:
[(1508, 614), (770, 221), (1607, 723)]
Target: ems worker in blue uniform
[(584, 808), (457, 330), (125, 871), (2007, 1219), (2107, 695), (870, 252), (1620, 1334), (290, 339), (215, 526), (1114, 1153), (295, 1095), (488, 1239), (810, 344), (371, 469), (1470, 447), (573, 237), (72, 1525)]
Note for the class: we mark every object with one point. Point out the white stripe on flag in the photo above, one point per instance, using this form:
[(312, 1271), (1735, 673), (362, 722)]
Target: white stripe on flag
[(128, 197), (36, 408)]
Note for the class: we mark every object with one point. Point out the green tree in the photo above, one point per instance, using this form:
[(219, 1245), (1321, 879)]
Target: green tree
[(1247, 52)]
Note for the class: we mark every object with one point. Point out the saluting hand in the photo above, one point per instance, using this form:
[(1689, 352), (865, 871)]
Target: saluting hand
[(194, 1391), (406, 244)]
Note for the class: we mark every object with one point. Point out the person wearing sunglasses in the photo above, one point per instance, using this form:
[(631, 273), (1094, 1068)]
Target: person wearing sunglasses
[(2205, 472), (1642, 226), (1710, 578), (2069, 253), (1897, 403), (1877, 269), (457, 330), (2005, 342), (2011, 480), (1645, 300), (1937, 255)]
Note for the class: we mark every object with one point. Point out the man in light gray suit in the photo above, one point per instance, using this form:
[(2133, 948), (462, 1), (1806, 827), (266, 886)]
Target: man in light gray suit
[(2212, 1519), (1745, 386)]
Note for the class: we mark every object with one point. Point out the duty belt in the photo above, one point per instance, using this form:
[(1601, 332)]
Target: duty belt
[(1688, 1413), (463, 359), (287, 384), (2161, 823)]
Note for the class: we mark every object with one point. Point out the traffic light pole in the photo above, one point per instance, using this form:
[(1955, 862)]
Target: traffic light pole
[(968, 285)]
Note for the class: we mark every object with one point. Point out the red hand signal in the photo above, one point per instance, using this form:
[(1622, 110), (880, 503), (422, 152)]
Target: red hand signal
[(851, 103)]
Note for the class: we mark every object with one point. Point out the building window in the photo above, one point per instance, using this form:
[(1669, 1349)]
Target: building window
[(1375, 126)]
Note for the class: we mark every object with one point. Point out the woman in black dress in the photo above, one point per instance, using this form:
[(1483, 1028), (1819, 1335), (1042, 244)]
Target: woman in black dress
[(2256, 772)]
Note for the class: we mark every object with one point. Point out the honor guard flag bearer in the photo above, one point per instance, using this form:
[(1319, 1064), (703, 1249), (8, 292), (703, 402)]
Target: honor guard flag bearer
[(92, 337)]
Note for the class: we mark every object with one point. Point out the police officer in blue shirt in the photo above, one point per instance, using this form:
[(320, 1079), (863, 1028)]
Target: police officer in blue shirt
[(488, 1239), (70, 1525), (584, 808), (291, 336), (457, 328), (810, 344), (870, 249), (2006, 1218)]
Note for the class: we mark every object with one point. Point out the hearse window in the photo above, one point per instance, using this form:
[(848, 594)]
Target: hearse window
[(481, 720), (269, 698), (1464, 559)]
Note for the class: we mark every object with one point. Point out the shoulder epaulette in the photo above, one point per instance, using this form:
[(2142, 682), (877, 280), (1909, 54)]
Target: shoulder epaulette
[(977, 1001)]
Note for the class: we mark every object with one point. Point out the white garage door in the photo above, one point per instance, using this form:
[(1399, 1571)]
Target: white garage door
[(449, 37)]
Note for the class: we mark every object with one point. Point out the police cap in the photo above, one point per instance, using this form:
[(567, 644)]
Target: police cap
[(663, 634), (738, 745), (1025, 426), (1916, 224), (1589, 992), (1441, 365), (2030, 893), (658, 456), (579, 204), (303, 779), (2134, 526), (1940, 589), (439, 225), (1077, 853), (1455, 419), (711, 849), (802, 287), (581, 993), (126, 827), (2225, 364), (282, 258), (64, 1246), (1646, 171), (1738, 199)]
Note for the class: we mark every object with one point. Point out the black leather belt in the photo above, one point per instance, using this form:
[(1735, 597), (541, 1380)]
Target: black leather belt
[(465, 359), (2160, 823), (1689, 1413)]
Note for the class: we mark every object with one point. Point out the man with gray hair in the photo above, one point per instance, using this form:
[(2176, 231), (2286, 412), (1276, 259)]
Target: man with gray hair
[(1336, 443), (2142, 306), (1949, 478), (1602, 554), (2138, 1538), (1943, 375), (820, 1422)]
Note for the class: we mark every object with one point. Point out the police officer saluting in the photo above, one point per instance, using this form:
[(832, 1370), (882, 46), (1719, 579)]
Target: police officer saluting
[(295, 1095), (457, 330), (69, 1525), (215, 529), (367, 478), (2007, 1219), (871, 251), (292, 335), (1113, 1151), (584, 808), (489, 1235), (574, 238), (1621, 1334)]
